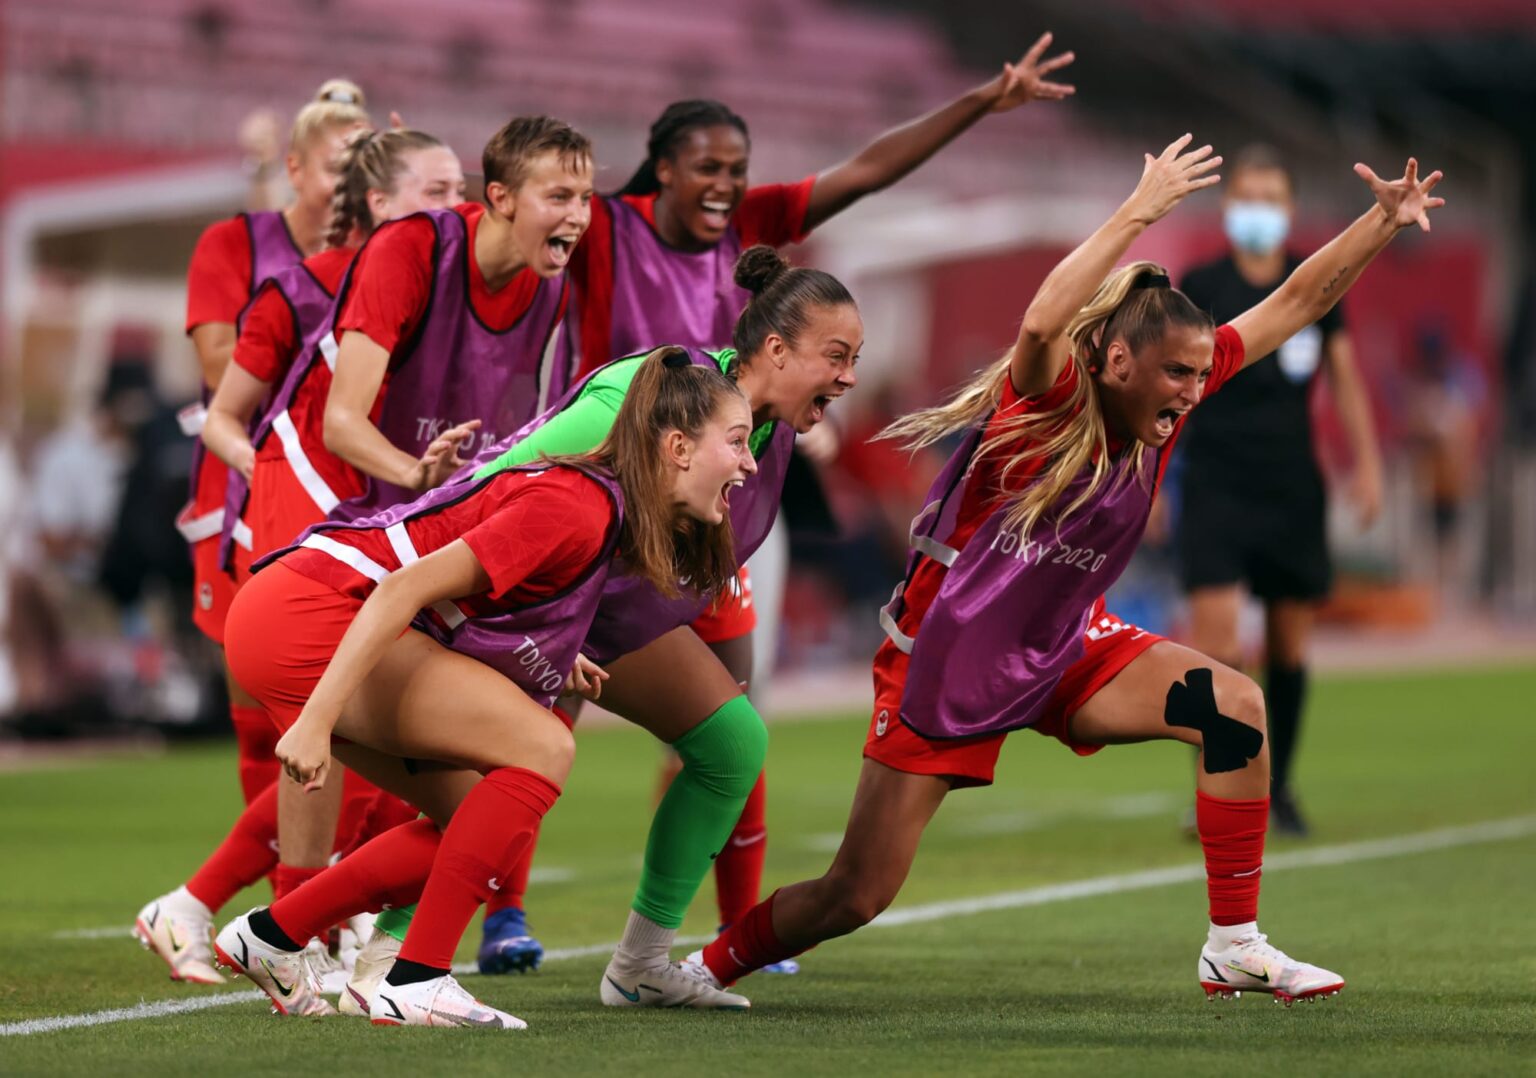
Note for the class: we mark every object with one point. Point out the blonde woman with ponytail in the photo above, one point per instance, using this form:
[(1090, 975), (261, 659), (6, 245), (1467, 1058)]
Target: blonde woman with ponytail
[(1000, 623), (382, 175)]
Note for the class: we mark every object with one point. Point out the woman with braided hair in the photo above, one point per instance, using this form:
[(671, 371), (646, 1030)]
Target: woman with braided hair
[(382, 176), (1000, 623)]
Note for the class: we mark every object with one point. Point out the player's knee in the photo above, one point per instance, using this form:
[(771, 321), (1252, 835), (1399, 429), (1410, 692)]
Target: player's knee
[(726, 751), (546, 747), (1240, 697)]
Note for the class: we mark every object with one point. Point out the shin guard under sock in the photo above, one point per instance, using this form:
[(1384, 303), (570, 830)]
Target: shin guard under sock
[(1232, 833)]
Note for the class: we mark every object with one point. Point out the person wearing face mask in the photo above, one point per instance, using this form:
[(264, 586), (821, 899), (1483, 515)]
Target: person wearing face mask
[(1000, 624), (1253, 499)]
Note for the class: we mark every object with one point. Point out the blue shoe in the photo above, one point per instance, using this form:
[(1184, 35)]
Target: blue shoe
[(506, 946), (789, 967)]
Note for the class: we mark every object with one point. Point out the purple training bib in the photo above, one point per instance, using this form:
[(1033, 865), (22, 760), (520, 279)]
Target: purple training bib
[(1009, 617)]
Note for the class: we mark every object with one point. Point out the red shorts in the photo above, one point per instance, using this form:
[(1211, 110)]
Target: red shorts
[(278, 510), (733, 616), (212, 590), (971, 761), (282, 630)]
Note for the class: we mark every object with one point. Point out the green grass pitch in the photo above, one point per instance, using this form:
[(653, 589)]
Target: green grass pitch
[(1437, 943)]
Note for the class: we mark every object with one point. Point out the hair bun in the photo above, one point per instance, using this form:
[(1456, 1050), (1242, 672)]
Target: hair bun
[(676, 359), (341, 92), (758, 267)]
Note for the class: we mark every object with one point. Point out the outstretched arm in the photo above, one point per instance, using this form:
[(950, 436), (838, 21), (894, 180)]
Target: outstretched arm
[(448, 573), (902, 149), (1042, 350), (1321, 281)]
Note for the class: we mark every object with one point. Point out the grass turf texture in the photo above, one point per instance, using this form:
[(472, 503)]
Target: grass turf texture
[(1436, 946)]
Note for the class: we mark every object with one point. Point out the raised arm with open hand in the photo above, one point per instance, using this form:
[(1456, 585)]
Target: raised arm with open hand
[(1166, 180), (1321, 281)]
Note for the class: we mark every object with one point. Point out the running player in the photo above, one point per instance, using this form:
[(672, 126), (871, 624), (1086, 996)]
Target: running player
[(657, 265), (795, 348), (383, 175), (1000, 623), (232, 259), (511, 567), (1254, 510)]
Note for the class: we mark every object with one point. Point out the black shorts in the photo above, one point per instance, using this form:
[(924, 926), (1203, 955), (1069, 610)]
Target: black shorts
[(1275, 544)]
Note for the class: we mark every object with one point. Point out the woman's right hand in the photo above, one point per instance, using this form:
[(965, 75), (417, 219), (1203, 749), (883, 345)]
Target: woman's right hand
[(1169, 177), (442, 457), (305, 752)]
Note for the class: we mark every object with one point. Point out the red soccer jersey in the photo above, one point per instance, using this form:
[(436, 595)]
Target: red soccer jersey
[(984, 487), (393, 283), (219, 277), (269, 338), (773, 214), (534, 533)]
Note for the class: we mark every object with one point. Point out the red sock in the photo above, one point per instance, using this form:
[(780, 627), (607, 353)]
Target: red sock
[(247, 854), (256, 735), (389, 871), (488, 835), (515, 886), (749, 944), (289, 878), (739, 868), (366, 813), (1232, 833)]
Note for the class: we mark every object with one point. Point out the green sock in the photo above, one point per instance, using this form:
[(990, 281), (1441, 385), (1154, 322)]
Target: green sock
[(722, 757), (395, 922)]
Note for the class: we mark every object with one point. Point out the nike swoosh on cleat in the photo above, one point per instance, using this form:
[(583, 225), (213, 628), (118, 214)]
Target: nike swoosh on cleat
[(1256, 976), (283, 989), (395, 1009), (633, 997), (245, 953), (466, 1020), (176, 945), (1214, 971), (153, 917)]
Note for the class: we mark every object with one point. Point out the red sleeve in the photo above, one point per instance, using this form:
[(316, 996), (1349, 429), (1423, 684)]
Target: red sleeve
[(219, 278), (591, 273), (1227, 360), (774, 213), (547, 534), (330, 266), (392, 283), (268, 336)]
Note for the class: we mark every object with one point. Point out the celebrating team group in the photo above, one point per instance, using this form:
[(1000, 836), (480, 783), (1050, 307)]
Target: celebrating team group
[(465, 464)]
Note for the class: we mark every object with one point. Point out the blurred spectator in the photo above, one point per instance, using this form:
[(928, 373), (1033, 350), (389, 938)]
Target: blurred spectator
[(1444, 394)]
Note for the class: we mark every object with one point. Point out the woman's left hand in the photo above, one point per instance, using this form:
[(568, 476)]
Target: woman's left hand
[(586, 678), (1406, 201), (1026, 80)]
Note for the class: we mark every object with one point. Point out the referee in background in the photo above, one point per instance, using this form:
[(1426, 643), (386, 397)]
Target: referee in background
[(1254, 507)]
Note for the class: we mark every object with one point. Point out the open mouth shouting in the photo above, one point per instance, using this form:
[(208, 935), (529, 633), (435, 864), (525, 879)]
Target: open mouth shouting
[(725, 495), (560, 248), (715, 213), (1166, 420)]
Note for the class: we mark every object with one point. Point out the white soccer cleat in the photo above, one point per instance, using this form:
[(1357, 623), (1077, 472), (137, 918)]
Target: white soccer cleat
[(1251, 964), (179, 928), (331, 971), (441, 1001), (373, 962), (285, 976), (672, 985)]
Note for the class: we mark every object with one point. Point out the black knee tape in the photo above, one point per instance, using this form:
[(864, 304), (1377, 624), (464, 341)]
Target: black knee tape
[(1229, 744)]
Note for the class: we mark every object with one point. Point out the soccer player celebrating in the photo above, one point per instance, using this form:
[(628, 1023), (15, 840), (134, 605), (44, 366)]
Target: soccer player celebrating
[(1253, 509), (657, 265), (1000, 623), (511, 566), (231, 261), (383, 175)]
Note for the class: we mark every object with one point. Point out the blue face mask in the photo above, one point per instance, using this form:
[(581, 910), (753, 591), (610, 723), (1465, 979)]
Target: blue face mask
[(1257, 228)]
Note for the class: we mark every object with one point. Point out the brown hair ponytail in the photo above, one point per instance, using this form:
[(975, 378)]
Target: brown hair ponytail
[(373, 161), (667, 393)]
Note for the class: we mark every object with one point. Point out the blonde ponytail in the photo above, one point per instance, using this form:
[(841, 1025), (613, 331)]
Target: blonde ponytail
[(339, 103), (1071, 436)]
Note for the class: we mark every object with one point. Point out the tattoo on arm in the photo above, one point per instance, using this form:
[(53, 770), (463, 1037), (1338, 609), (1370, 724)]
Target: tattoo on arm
[(1328, 288)]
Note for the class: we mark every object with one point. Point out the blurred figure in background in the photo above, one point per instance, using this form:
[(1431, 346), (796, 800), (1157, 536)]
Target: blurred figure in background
[(1445, 393), (1254, 506)]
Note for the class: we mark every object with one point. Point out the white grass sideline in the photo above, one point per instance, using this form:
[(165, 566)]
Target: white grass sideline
[(1443, 838)]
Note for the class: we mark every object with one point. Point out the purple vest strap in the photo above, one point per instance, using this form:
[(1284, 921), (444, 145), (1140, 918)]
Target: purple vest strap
[(534, 646), (455, 369), (310, 304), (272, 252), (1010, 615)]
